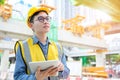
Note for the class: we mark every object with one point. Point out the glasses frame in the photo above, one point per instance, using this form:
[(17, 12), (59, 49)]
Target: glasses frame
[(42, 19)]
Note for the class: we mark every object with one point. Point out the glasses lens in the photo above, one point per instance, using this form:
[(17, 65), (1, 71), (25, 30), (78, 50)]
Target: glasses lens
[(48, 18), (41, 19)]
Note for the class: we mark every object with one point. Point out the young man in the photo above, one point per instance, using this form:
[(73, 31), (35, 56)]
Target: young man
[(39, 48)]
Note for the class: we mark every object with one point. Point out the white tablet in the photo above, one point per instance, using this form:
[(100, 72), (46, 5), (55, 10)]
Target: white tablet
[(43, 64)]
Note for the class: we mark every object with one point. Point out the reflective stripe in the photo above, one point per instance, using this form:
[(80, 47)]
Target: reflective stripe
[(27, 54), (60, 52)]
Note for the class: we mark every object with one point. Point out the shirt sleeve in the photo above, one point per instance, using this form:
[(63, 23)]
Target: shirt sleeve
[(65, 73), (20, 68)]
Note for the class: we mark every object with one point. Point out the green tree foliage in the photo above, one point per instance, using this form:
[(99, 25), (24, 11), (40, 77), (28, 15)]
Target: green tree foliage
[(85, 59), (76, 58), (113, 57), (2, 2)]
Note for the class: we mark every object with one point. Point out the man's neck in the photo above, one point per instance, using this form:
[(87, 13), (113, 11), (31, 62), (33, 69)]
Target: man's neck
[(42, 38)]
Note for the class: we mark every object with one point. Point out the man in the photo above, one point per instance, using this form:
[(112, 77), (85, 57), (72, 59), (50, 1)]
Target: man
[(39, 48)]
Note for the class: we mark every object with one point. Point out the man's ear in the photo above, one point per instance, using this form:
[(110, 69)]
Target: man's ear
[(30, 25)]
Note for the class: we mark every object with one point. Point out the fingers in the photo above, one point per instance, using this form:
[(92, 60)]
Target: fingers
[(38, 70), (38, 74), (53, 71), (47, 71), (41, 74), (60, 67)]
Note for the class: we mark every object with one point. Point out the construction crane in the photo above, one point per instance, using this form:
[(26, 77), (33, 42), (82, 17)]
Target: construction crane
[(6, 11), (73, 25), (44, 5)]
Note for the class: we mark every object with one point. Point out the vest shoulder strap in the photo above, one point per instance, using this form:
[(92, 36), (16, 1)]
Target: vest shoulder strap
[(21, 45), (17, 44), (60, 50)]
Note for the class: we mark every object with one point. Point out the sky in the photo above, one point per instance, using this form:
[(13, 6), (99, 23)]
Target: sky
[(20, 7)]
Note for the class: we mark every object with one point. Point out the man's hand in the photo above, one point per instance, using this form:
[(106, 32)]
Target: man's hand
[(41, 74), (60, 66)]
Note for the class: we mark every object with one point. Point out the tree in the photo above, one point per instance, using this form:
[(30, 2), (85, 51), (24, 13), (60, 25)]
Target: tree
[(2, 2)]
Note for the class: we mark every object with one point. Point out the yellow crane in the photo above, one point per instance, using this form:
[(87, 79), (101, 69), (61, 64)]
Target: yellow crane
[(73, 25), (6, 10), (44, 5)]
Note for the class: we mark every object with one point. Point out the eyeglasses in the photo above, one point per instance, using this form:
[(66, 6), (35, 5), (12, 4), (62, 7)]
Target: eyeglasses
[(42, 19)]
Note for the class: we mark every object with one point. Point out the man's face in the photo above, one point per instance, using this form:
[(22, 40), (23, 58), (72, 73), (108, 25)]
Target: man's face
[(41, 23)]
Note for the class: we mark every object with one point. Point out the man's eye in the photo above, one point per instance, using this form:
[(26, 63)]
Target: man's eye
[(47, 18), (40, 18)]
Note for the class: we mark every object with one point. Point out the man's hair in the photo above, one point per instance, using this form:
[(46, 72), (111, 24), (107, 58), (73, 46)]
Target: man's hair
[(35, 14)]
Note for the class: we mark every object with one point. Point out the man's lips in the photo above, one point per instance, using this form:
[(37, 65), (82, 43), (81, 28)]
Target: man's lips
[(46, 26)]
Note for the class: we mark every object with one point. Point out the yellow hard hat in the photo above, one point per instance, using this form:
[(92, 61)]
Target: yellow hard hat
[(34, 10)]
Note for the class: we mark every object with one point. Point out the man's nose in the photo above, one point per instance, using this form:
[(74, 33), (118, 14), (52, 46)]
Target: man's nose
[(46, 21)]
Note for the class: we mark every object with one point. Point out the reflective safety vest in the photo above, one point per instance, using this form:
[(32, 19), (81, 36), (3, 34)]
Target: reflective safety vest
[(33, 52)]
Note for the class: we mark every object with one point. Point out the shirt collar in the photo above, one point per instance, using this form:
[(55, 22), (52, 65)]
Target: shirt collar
[(35, 40)]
